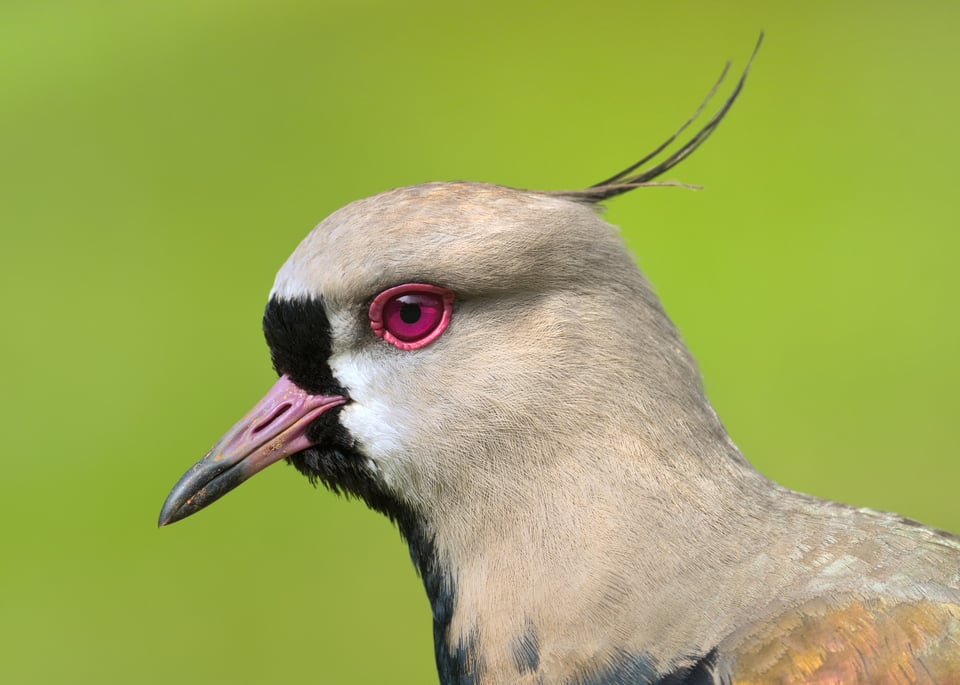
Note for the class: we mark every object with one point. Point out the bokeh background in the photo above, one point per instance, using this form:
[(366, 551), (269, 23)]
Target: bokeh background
[(159, 160)]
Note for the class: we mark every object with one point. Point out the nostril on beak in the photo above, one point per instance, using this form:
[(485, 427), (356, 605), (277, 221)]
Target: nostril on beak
[(267, 422)]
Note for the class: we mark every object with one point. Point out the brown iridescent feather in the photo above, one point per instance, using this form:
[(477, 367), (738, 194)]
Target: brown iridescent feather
[(878, 641)]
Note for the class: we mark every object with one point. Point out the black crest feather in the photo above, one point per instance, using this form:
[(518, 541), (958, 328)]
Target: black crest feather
[(630, 178)]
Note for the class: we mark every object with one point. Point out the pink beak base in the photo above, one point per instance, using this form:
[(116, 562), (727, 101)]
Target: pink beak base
[(275, 428)]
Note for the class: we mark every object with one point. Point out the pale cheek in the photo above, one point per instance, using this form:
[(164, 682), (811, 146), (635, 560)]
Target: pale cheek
[(375, 428), (371, 418)]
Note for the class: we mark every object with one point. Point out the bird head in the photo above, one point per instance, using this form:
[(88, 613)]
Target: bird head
[(486, 366), (446, 343), (449, 339)]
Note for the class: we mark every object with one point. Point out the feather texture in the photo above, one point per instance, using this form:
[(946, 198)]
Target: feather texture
[(575, 507), (877, 642)]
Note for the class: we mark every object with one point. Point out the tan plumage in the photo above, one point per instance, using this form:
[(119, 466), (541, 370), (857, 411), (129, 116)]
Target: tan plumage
[(574, 504)]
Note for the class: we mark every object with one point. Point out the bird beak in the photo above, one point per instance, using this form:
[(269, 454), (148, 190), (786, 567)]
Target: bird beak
[(275, 428)]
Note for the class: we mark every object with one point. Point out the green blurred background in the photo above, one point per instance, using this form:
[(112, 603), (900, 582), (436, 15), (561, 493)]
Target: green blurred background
[(159, 161)]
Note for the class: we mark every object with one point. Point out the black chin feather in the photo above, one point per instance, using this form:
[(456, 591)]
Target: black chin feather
[(300, 339), (337, 462), (299, 335)]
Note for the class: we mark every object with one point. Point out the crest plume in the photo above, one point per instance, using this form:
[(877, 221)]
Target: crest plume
[(630, 178)]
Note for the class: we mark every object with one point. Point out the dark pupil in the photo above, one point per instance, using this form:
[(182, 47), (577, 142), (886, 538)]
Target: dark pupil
[(409, 312)]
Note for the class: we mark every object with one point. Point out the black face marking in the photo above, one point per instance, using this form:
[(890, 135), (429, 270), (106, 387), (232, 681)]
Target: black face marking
[(299, 336)]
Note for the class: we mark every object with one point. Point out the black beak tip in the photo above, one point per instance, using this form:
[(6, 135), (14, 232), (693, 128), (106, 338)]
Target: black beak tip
[(204, 483), (172, 512)]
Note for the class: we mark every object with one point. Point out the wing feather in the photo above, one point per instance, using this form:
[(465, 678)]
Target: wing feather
[(880, 642)]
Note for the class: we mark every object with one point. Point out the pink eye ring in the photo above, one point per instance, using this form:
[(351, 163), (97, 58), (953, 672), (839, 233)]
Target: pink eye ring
[(411, 315)]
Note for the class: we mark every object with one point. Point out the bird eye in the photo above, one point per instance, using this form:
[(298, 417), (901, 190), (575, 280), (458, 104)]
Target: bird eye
[(412, 315)]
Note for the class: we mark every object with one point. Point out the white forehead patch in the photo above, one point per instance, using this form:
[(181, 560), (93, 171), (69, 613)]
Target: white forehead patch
[(293, 281)]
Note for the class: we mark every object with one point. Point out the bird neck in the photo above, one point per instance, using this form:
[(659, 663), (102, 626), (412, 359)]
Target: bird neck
[(558, 578)]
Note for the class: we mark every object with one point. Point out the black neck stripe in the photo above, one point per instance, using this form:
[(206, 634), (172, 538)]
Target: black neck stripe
[(299, 336)]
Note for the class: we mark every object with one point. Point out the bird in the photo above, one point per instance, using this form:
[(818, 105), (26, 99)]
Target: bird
[(487, 367)]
